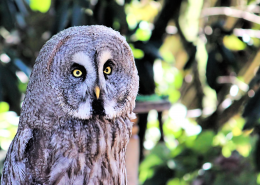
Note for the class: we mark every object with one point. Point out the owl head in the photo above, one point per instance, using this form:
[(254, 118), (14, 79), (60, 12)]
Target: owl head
[(87, 71)]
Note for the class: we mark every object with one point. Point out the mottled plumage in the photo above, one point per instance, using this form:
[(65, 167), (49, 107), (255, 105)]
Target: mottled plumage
[(75, 121)]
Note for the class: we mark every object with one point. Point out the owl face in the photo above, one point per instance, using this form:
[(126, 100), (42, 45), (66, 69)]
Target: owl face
[(94, 74)]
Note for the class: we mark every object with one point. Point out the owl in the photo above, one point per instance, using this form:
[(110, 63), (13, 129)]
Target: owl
[(75, 120)]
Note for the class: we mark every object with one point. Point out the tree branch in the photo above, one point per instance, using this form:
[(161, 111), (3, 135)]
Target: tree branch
[(230, 12)]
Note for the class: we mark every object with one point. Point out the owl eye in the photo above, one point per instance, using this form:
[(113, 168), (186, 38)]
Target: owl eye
[(77, 73), (108, 70)]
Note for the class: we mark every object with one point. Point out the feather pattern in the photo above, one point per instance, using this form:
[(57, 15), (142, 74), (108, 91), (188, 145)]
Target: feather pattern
[(66, 135), (84, 151)]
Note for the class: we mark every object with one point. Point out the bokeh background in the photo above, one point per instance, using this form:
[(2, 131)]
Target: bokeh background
[(200, 55)]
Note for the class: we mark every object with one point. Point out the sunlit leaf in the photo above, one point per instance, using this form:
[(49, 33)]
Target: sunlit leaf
[(174, 95), (170, 142), (203, 141), (150, 160), (233, 43), (226, 151), (131, 20), (190, 141), (146, 166), (174, 181), (145, 174), (177, 150), (236, 131), (22, 87), (4, 107), (143, 35), (171, 129), (138, 53), (244, 150), (219, 139), (258, 178), (40, 5), (178, 79), (241, 140), (143, 11), (168, 56)]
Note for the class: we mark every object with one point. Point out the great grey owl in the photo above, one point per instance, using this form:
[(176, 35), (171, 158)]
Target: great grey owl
[(75, 121)]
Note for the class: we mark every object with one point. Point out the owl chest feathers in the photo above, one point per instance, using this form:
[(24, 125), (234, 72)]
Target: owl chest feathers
[(94, 153), (90, 153)]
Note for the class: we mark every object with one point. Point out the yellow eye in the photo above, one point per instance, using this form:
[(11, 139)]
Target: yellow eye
[(108, 70), (77, 73)]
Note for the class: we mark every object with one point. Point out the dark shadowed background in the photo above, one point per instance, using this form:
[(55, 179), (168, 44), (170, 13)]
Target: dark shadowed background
[(200, 55)]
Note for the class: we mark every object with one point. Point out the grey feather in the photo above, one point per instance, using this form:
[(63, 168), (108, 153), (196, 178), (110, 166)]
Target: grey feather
[(66, 135)]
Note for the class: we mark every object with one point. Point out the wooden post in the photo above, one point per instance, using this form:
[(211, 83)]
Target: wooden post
[(132, 152), (132, 156)]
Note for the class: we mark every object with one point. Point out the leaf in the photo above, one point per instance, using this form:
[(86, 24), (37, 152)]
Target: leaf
[(143, 35), (168, 56), (40, 5), (150, 161), (139, 54), (233, 43), (241, 140), (4, 107), (178, 80), (174, 181), (174, 95), (203, 142), (161, 176)]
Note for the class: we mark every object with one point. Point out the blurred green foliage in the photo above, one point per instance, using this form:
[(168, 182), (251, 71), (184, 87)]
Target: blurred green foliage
[(42, 6), (200, 55)]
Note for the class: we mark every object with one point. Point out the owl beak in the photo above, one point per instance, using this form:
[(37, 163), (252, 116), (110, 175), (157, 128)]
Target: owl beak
[(97, 91)]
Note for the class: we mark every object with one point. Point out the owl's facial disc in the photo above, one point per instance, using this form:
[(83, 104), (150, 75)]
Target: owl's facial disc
[(97, 84), (81, 58)]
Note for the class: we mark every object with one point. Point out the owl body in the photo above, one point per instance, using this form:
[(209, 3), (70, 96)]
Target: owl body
[(75, 121)]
